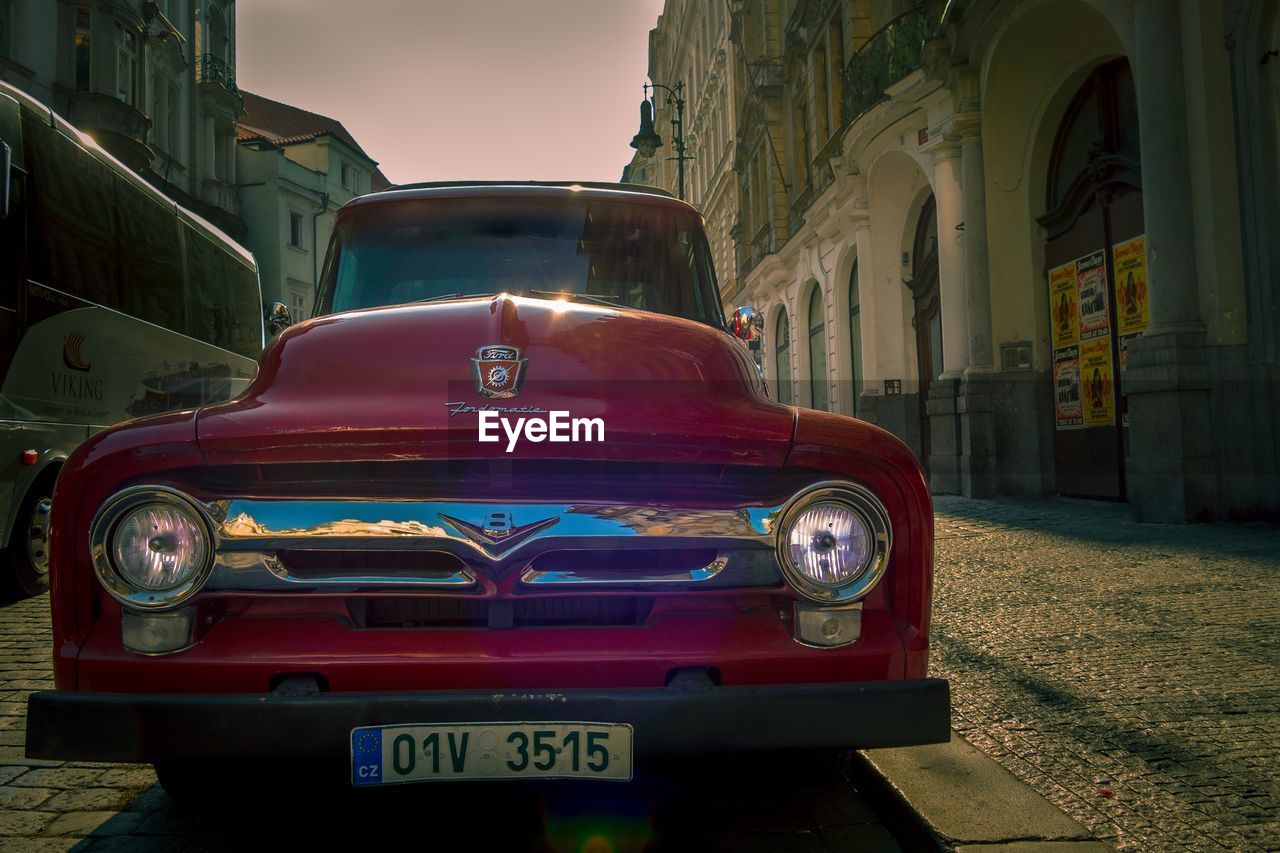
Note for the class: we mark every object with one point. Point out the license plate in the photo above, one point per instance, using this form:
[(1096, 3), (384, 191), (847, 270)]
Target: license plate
[(390, 755)]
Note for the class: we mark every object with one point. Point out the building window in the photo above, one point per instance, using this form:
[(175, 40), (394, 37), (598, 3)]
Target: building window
[(762, 184), (820, 92), (817, 352), (295, 229), (350, 177), (800, 162), (835, 72), (782, 357), (219, 39), (164, 115), (855, 335), (84, 23), (298, 301), (126, 65)]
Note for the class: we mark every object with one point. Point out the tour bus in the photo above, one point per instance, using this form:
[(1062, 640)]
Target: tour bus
[(114, 303)]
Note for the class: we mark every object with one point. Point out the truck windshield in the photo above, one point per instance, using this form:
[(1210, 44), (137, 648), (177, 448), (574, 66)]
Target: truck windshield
[(635, 255)]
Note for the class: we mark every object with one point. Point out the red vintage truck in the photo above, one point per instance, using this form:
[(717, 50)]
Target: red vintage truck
[(515, 504)]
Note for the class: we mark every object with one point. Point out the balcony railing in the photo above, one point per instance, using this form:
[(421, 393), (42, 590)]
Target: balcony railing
[(893, 52), (214, 69)]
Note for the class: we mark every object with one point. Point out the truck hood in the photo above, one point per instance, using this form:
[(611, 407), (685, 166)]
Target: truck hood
[(403, 383)]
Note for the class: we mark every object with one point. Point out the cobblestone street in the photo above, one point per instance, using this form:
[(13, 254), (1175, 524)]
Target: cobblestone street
[(1129, 672)]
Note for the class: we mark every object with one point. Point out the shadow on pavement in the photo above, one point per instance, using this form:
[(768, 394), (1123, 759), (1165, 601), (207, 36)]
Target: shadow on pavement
[(1099, 521), (738, 803)]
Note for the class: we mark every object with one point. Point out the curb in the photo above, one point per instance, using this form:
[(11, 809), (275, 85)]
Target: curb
[(953, 797)]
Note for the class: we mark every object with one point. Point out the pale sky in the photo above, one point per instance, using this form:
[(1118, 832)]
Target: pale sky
[(468, 89)]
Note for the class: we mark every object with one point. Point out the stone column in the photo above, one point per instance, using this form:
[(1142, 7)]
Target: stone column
[(1169, 475), (974, 403), (951, 262), (1166, 186), (945, 433), (977, 282), (872, 374)]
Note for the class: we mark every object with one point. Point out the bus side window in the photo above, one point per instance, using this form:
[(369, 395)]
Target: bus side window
[(150, 258), (13, 238), (224, 300), (71, 216), (246, 323), (208, 289)]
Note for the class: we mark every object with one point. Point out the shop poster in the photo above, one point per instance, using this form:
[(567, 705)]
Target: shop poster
[(1091, 282), (1063, 300), (1096, 382), (1130, 263)]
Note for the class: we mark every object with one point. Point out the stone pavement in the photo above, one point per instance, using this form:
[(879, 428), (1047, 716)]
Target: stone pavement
[(1128, 672), (740, 804)]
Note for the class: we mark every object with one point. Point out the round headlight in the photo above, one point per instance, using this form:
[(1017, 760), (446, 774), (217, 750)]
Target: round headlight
[(152, 547), (159, 546), (829, 544), (833, 542)]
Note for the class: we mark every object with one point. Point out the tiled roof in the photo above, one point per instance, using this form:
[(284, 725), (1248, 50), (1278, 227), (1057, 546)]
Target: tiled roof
[(282, 124)]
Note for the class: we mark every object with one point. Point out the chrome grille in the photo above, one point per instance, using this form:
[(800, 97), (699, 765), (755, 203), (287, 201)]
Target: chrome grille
[(266, 545)]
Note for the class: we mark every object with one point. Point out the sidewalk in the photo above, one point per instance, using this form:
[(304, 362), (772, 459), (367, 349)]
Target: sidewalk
[(1128, 672)]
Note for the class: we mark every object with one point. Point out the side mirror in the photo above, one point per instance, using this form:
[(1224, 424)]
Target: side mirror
[(278, 318), (746, 325), (6, 173)]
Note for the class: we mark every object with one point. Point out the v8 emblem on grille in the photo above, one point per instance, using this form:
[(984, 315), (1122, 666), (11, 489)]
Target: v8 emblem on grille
[(498, 525), (499, 531)]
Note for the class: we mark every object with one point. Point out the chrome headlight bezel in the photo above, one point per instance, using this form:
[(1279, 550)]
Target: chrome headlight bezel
[(869, 509), (101, 541)]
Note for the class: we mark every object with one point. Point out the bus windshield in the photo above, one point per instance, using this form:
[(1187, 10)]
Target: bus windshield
[(644, 256)]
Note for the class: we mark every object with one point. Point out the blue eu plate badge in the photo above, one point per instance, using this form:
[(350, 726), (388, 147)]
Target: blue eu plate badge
[(366, 754)]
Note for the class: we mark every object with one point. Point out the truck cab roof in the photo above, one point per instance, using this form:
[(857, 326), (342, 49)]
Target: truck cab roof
[(507, 189)]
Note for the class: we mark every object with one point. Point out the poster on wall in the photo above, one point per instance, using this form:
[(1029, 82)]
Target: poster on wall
[(1062, 305), (1124, 349), (1091, 284), (1096, 382), (1130, 263), (1067, 408)]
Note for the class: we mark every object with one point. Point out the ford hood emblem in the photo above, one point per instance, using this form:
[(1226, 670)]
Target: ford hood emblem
[(498, 370)]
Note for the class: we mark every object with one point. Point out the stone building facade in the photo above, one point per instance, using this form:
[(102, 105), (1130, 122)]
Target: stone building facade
[(296, 169), (691, 45), (152, 81), (1033, 238)]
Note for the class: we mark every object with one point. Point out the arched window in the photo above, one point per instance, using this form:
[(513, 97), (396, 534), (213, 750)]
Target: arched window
[(782, 358), (855, 336), (219, 43), (817, 352)]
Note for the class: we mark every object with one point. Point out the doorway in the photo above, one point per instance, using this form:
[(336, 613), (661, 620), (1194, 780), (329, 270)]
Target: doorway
[(1096, 274)]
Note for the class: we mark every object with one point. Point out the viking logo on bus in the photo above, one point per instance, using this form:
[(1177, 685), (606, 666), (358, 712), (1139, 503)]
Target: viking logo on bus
[(71, 356)]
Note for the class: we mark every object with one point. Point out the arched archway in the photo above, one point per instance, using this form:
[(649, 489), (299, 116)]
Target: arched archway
[(1095, 259), (897, 189), (1037, 58)]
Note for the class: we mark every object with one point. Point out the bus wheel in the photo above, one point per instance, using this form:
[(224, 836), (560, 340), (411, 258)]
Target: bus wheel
[(29, 542)]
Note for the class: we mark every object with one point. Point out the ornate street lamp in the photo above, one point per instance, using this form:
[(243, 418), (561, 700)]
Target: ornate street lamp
[(647, 140)]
